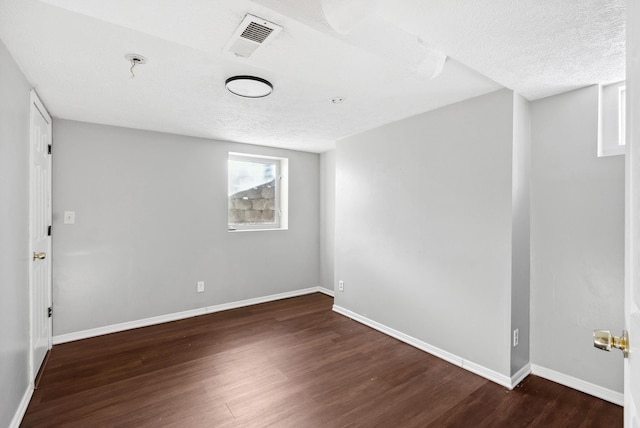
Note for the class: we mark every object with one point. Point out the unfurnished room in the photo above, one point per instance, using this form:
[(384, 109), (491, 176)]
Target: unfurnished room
[(319, 213)]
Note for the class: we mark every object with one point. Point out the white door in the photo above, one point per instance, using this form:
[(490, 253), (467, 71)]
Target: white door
[(632, 232), (40, 241)]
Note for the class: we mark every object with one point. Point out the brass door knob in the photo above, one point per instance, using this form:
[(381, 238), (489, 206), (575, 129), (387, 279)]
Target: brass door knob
[(39, 256), (604, 340)]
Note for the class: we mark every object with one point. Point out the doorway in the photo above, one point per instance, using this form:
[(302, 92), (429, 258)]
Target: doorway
[(39, 234)]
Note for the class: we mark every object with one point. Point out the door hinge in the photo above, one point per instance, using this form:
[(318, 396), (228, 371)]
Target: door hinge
[(49, 149), (49, 231), (49, 311)]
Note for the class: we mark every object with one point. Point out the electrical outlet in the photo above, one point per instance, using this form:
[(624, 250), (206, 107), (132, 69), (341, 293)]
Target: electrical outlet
[(515, 337), (341, 285), (200, 286)]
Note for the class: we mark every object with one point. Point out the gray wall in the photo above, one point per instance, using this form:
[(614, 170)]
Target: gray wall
[(14, 233), (151, 220), (424, 227), (327, 218), (577, 240), (520, 256)]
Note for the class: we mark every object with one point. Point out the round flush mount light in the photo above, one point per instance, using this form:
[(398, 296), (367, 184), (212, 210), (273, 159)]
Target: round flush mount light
[(248, 86)]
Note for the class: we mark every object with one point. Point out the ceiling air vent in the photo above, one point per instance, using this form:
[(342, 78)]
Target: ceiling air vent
[(252, 33), (256, 32)]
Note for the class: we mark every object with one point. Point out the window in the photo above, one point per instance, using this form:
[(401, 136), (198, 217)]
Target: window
[(611, 119), (257, 192), (622, 115)]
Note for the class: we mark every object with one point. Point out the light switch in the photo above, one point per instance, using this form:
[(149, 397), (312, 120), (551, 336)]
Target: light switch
[(69, 217)]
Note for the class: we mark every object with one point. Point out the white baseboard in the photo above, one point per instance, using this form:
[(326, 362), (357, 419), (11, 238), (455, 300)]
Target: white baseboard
[(264, 299), (326, 291), (22, 408), (447, 356), (508, 382), (520, 375), (489, 374), (114, 328), (579, 384)]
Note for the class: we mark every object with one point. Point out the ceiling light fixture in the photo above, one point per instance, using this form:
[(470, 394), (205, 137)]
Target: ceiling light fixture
[(248, 86), (134, 59)]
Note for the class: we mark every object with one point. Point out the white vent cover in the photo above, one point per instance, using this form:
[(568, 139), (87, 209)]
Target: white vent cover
[(252, 33)]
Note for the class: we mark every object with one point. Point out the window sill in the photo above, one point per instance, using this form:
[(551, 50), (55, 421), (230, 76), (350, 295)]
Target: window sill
[(257, 230)]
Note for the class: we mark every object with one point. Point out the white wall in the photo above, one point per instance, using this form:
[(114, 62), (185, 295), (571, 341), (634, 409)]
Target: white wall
[(14, 233), (577, 240), (424, 227), (151, 220), (327, 218), (521, 254)]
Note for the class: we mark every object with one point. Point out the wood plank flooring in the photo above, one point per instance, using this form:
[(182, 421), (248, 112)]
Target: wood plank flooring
[(290, 363)]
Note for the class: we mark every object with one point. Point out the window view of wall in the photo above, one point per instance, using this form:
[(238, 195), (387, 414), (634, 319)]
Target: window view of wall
[(253, 206), (253, 192)]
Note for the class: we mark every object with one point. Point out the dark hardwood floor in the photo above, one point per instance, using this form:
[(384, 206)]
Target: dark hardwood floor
[(290, 363)]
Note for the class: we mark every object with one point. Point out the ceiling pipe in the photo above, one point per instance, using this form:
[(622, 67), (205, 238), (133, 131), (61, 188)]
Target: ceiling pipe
[(345, 15), (431, 61)]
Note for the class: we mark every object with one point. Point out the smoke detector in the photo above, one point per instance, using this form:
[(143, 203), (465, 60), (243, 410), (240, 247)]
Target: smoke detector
[(253, 33)]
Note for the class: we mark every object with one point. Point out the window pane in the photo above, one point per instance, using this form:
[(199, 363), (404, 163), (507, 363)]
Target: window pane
[(252, 192)]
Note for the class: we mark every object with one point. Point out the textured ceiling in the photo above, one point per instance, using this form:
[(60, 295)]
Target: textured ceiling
[(536, 47), (73, 51)]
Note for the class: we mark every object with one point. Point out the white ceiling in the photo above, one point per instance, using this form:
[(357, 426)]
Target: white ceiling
[(72, 51)]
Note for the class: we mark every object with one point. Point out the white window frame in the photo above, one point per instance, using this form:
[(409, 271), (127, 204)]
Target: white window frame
[(611, 120), (622, 115), (281, 193)]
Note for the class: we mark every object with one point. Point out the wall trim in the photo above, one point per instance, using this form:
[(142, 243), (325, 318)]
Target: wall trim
[(326, 291), (508, 382), (129, 325), (486, 373), (579, 384), (520, 375), (264, 299), (22, 408)]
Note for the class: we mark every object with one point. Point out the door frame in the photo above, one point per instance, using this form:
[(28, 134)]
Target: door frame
[(36, 104), (632, 216)]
